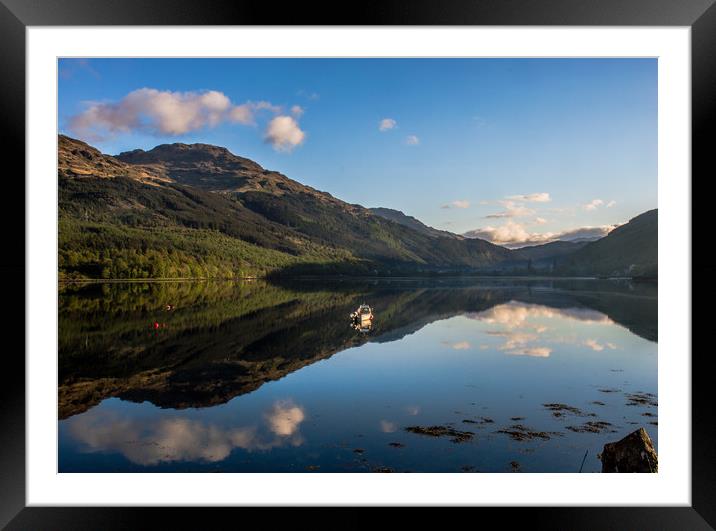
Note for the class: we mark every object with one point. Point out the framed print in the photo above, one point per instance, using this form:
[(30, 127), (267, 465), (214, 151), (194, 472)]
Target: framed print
[(409, 258)]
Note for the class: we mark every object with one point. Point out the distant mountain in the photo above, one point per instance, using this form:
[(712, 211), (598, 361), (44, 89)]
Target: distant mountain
[(471, 233), (629, 250), (548, 250), (586, 240), (410, 221), (196, 210)]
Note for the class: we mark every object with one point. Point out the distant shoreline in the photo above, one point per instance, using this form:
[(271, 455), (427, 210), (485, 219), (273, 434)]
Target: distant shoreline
[(341, 277)]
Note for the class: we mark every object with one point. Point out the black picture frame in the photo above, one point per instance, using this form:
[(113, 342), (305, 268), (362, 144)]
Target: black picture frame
[(16, 15)]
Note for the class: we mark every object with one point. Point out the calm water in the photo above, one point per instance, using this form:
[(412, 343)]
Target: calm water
[(255, 377)]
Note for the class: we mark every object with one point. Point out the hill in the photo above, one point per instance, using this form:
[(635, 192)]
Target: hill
[(413, 223), (196, 210), (629, 250), (548, 250)]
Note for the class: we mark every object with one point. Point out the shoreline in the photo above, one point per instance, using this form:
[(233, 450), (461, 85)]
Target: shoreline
[(342, 277)]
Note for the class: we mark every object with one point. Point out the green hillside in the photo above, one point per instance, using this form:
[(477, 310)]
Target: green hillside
[(629, 250), (199, 211)]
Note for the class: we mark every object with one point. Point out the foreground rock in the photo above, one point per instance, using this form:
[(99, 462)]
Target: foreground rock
[(634, 453)]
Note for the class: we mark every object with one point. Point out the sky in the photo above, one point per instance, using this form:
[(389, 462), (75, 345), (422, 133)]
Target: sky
[(516, 151)]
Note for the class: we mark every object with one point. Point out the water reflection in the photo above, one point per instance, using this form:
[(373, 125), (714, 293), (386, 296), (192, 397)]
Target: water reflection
[(212, 380), (521, 315), (285, 418), (597, 346), (525, 327), (388, 427), (362, 319), (148, 441)]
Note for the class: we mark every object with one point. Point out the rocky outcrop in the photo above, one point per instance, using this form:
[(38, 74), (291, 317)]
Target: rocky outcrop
[(634, 453), (78, 160)]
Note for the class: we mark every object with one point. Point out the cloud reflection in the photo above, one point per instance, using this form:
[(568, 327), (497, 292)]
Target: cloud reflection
[(516, 315), (387, 426), (148, 441), (536, 352), (597, 346), (523, 328), (284, 418), (459, 345)]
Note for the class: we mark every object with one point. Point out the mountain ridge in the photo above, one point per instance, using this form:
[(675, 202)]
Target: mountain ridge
[(629, 250), (198, 210), (175, 187), (410, 221)]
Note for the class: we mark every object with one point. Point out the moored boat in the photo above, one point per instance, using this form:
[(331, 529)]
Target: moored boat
[(362, 318)]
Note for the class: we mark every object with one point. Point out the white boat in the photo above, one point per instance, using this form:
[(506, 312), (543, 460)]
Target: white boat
[(362, 318)]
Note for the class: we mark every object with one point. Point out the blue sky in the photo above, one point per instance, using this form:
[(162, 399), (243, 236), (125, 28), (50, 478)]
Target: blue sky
[(517, 150)]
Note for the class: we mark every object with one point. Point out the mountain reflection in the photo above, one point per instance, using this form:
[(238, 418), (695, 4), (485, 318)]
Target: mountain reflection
[(224, 339), (149, 441)]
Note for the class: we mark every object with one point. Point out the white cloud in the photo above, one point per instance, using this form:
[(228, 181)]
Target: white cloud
[(588, 232), (165, 113), (540, 221), (512, 213), (593, 204), (386, 124), (514, 235), (509, 233), (297, 111), (459, 203), (412, 140), (514, 205), (541, 197), (284, 134), (611, 203), (312, 96), (69, 67), (242, 114), (265, 105), (512, 210)]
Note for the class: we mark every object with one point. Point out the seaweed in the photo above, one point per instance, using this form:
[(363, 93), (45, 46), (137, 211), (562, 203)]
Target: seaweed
[(598, 426), (442, 431), (518, 432)]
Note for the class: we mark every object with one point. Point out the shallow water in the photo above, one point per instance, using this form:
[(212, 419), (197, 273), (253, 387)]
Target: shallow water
[(521, 376)]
